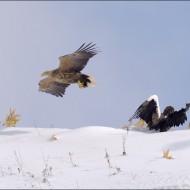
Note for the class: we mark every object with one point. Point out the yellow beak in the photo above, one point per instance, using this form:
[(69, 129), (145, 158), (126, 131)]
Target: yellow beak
[(43, 74)]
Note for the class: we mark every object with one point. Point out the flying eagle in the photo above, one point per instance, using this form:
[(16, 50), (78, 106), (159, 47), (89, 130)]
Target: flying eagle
[(149, 111), (69, 72)]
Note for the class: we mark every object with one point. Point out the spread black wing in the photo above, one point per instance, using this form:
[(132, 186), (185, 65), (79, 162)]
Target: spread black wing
[(146, 111), (174, 119)]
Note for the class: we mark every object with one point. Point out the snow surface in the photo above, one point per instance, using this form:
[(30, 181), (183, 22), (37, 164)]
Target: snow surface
[(77, 159)]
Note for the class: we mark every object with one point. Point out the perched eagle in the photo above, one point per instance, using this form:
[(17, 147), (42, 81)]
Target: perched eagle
[(149, 111), (69, 72)]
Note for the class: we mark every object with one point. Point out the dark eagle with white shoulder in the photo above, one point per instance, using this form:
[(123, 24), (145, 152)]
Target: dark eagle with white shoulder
[(69, 72), (149, 111)]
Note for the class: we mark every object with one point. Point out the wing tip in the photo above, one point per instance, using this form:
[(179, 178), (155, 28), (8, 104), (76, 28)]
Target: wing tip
[(88, 48)]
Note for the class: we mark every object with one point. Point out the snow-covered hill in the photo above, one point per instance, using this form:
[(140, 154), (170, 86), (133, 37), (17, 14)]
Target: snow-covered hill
[(30, 158)]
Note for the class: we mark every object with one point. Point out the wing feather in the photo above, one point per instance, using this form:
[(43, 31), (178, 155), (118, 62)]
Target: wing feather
[(52, 87), (76, 61), (146, 111), (174, 119)]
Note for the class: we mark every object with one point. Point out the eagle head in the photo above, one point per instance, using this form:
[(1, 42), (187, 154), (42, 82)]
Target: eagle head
[(168, 110)]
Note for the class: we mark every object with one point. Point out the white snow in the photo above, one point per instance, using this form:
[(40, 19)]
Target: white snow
[(76, 160)]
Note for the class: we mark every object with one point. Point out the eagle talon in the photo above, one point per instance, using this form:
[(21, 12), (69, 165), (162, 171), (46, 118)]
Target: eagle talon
[(81, 84)]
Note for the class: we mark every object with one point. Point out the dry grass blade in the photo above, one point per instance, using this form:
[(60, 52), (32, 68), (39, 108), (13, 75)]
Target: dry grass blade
[(166, 155), (54, 137), (11, 119)]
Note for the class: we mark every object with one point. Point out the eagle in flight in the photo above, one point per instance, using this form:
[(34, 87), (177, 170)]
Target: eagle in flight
[(69, 72), (149, 111)]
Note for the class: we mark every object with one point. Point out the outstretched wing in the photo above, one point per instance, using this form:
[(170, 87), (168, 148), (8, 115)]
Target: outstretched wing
[(148, 111), (174, 119), (52, 87), (76, 61)]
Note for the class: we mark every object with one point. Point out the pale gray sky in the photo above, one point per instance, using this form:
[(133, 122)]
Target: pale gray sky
[(145, 50)]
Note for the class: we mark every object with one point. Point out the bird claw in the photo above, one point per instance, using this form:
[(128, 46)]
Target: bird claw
[(81, 85)]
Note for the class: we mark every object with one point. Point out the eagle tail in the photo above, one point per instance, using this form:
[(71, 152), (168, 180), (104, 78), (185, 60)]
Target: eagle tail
[(86, 81), (92, 81)]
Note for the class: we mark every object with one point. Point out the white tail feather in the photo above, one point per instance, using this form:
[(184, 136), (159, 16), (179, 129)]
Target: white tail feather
[(92, 81)]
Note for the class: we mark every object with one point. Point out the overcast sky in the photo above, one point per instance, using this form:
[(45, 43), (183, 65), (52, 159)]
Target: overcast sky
[(144, 51)]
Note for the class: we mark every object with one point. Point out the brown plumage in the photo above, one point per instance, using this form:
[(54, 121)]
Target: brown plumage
[(68, 72)]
